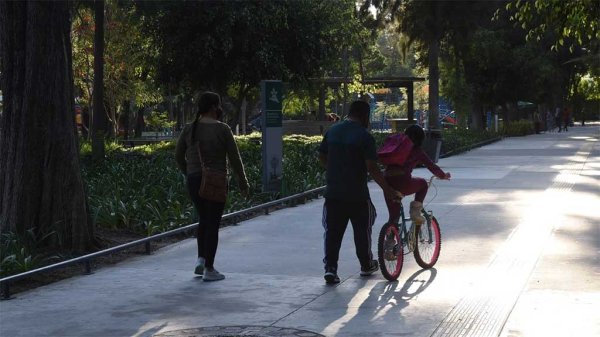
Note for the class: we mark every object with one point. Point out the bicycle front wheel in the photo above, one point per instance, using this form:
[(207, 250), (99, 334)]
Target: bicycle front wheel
[(390, 251), (428, 244)]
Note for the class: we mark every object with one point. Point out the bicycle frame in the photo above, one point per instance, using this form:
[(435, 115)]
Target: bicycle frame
[(404, 229), (423, 241)]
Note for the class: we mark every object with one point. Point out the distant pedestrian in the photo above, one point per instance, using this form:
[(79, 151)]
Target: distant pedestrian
[(549, 121), (558, 119), (210, 139), (566, 118), (348, 153)]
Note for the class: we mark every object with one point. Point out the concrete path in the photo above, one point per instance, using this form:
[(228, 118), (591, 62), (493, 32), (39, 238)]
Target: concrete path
[(521, 240)]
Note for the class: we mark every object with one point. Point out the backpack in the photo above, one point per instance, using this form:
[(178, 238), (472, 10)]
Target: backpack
[(395, 149)]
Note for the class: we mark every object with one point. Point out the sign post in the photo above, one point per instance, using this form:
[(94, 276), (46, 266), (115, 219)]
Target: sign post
[(271, 95)]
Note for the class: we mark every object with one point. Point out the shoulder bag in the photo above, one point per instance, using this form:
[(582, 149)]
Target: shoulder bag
[(214, 183)]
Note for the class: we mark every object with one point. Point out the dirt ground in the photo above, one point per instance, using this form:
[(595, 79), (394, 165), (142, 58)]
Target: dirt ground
[(108, 239)]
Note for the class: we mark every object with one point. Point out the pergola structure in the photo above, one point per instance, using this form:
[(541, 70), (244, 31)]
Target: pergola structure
[(386, 82)]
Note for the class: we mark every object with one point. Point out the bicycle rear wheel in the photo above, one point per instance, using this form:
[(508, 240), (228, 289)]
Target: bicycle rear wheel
[(390, 251), (429, 243)]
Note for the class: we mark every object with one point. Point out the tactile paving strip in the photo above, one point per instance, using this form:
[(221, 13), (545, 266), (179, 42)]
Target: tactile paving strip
[(484, 311)]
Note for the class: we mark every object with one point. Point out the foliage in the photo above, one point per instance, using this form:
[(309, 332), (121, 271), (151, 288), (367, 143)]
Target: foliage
[(20, 253), (128, 55), (137, 192), (390, 110), (299, 103), (225, 45), (396, 57), (241, 42), (589, 87), (518, 128), (301, 168), (454, 140), (142, 190), (157, 121), (359, 88), (571, 22)]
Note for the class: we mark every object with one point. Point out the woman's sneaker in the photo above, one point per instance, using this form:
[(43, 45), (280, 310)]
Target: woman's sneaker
[(373, 267), (212, 275), (199, 269)]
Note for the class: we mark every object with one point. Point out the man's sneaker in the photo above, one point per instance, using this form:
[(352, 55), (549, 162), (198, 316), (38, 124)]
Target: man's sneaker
[(331, 278), (199, 270), (212, 275), (372, 268)]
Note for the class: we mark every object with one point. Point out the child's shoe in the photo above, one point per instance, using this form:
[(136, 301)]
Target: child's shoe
[(415, 212)]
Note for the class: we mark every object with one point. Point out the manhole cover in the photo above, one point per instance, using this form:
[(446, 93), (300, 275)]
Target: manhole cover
[(239, 331)]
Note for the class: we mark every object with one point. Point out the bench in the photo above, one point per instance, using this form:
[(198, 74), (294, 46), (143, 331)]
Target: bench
[(149, 137)]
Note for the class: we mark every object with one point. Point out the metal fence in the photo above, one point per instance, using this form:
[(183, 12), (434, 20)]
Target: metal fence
[(87, 259)]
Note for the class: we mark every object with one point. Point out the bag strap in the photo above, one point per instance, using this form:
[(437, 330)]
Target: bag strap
[(198, 148)]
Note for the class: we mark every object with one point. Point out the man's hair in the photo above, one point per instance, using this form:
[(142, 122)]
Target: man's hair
[(359, 109)]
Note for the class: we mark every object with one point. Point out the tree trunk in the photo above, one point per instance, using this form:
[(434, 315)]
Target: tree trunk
[(434, 70), (180, 115), (99, 124), (477, 116), (321, 114), (139, 122), (125, 118), (41, 187), (434, 84), (512, 112)]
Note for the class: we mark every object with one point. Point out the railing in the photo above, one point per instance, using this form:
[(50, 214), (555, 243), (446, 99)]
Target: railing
[(86, 259)]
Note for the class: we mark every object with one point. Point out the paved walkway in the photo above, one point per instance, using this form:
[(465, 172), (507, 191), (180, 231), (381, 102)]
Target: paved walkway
[(521, 240)]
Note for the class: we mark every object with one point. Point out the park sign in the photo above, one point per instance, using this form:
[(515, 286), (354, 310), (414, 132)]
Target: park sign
[(271, 96)]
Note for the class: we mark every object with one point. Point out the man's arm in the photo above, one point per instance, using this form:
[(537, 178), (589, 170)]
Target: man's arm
[(373, 169), (323, 159)]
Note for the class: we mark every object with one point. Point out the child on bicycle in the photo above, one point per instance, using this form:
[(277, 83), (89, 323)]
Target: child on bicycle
[(400, 178)]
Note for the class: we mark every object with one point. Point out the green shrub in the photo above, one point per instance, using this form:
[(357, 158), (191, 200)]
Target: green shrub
[(20, 253), (518, 128), (137, 190), (142, 190), (158, 121), (455, 140)]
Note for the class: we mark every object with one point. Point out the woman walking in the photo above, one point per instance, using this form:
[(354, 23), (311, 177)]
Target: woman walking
[(206, 143)]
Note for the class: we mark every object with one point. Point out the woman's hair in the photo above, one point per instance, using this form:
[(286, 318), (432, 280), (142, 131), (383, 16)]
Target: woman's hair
[(416, 134), (206, 101)]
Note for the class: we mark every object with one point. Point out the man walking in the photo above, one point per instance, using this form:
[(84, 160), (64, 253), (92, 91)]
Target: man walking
[(348, 153)]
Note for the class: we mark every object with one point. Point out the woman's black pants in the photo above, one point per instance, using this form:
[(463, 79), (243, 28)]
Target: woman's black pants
[(209, 220)]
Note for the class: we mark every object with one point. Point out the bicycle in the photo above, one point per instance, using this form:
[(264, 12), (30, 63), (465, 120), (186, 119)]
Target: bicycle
[(397, 240)]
